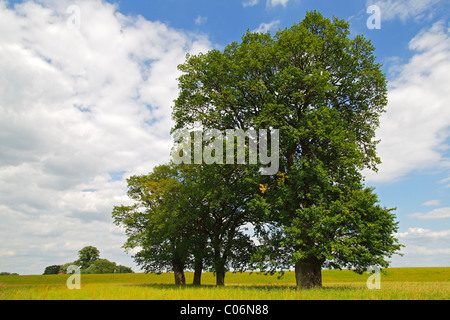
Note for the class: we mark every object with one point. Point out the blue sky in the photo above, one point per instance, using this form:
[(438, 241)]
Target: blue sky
[(82, 109)]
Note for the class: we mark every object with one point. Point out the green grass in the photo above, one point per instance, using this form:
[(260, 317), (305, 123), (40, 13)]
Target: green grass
[(396, 284)]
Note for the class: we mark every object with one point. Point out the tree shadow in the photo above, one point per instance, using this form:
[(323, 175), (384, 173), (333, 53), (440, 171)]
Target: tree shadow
[(256, 287)]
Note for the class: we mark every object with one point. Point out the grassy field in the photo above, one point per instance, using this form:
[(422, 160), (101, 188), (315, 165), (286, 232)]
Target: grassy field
[(397, 284)]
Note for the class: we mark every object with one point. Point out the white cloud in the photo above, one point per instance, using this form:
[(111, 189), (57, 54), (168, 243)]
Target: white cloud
[(274, 3), (423, 248), (405, 9), (76, 108), (6, 253), (250, 3), (432, 203), (440, 213), (269, 3), (200, 20), (421, 233), (264, 27), (415, 127), (422, 256)]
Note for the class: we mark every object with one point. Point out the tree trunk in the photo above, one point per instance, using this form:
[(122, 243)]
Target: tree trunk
[(220, 273), (220, 278), (178, 270), (198, 267), (308, 274)]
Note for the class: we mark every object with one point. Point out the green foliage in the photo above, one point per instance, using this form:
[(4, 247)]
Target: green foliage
[(325, 93), (90, 263), (151, 225), (87, 256), (101, 266), (191, 217), (63, 268), (8, 274), (55, 269)]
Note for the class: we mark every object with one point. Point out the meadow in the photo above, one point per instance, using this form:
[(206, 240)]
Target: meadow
[(396, 284)]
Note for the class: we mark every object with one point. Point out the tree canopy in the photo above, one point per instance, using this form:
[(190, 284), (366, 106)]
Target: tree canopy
[(324, 92), (88, 255), (191, 217)]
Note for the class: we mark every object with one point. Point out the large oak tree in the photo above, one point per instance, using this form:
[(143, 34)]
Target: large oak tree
[(324, 91)]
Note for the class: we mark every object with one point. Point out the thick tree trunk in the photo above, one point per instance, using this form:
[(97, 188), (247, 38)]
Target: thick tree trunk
[(308, 274), (220, 273), (220, 278), (198, 267), (178, 270)]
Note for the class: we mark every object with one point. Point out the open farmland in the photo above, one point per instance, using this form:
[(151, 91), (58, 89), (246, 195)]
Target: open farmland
[(396, 284)]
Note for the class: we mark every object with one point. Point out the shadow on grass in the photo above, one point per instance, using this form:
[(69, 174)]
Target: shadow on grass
[(256, 287)]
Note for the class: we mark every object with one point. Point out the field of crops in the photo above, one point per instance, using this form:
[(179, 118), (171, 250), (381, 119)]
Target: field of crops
[(396, 284)]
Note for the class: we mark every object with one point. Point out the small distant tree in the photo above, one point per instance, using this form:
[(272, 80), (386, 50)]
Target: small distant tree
[(105, 266), (55, 269), (63, 268), (90, 262), (101, 266), (123, 269), (87, 256)]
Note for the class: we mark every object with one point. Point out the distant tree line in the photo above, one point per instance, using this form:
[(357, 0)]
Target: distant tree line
[(90, 263), (8, 274)]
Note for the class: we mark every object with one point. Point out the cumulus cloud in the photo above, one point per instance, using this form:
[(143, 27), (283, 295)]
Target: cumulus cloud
[(439, 213), (414, 233), (250, 3), (406, 9), (80, 110), (423, 256), (269, 3), (200, 20), (432, 203), (6, 253), (424, 248), (264, 27), (274, 3), (415, 128)]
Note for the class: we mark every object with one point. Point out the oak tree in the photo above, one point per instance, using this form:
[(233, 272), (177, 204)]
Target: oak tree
[(325, 92)]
